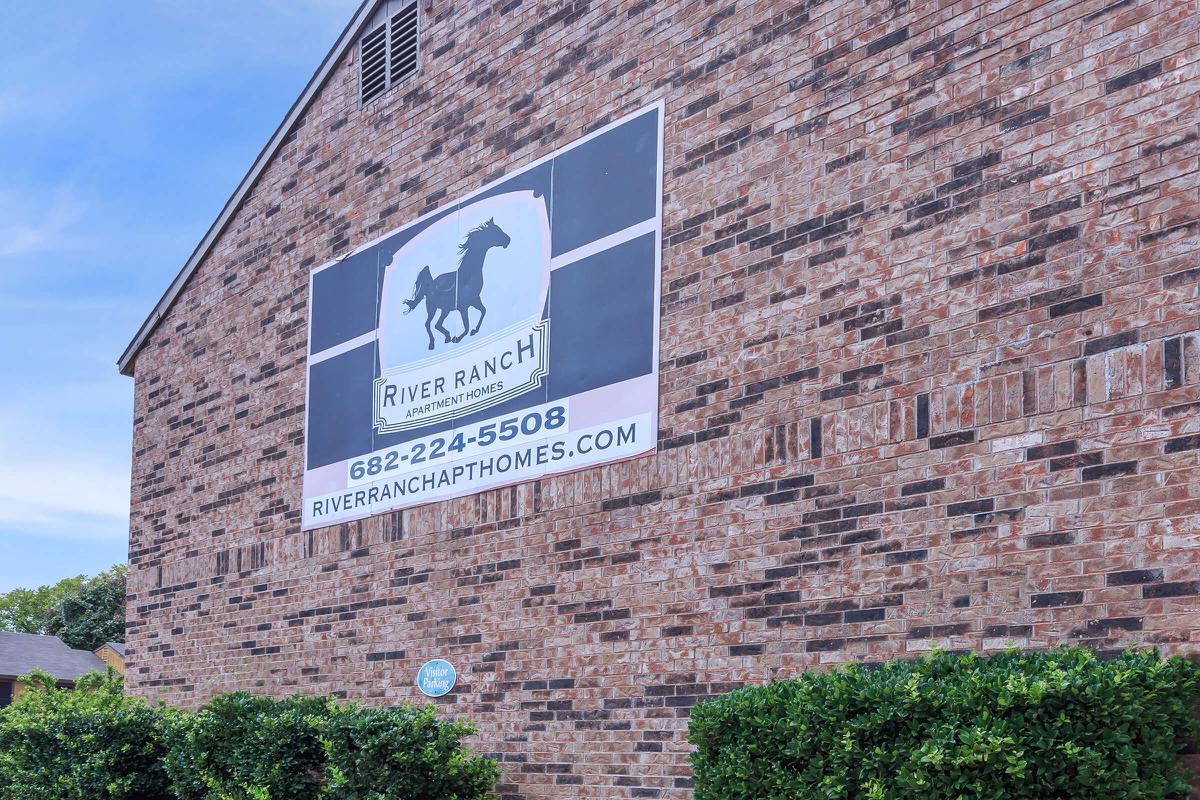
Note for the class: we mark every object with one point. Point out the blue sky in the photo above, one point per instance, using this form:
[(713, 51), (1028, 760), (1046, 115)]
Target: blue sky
[(124, 127)]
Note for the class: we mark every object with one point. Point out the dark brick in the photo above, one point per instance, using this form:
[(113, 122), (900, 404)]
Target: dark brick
[(1042, 241), (845, 161), (1176, 589), (884, 42), (1135, 76), (1038, 540), (746, 650), (1108, 9), (713, 386), (906, 556), (1110, 470), (1133, 576), (866, 615), (704, 103), (1055, 296), (1106, 343), (922, 416), (1172, 363), (1025, 118), (1055, 599), (910, 335), (970, 507), (1003, 310), (1057, 207), (1182, 443), (951, 439), (1075, 462), (1077, 305), (862, 510), (1177, 279), (964, 168), (921, 487), (1050, 450), (1098, 628), (839, 391), (824, 645)]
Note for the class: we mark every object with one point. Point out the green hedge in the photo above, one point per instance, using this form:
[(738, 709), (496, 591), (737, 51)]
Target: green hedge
[(401, 753), (84, 744), (1055, 724), (241, 747), (93, 744)]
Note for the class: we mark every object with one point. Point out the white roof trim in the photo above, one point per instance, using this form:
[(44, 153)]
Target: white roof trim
[(331, 60)]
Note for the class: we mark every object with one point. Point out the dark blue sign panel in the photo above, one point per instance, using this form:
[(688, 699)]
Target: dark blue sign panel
[(508, 335)]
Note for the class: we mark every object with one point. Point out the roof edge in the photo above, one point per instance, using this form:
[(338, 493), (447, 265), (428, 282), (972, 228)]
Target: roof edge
[(315, 83)]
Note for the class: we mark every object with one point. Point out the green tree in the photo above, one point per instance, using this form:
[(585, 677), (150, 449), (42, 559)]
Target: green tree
[(30, 610), (94, 614)]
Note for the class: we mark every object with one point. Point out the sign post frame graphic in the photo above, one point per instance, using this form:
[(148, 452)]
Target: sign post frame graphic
[(510, 334)]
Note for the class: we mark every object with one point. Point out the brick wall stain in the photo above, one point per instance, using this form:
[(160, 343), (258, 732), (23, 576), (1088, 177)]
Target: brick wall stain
[(930, 373)]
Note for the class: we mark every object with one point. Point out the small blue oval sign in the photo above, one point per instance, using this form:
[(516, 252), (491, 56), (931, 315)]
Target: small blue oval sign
[(436, 678)]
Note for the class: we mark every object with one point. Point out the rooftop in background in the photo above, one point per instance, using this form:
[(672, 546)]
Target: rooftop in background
[(21, 653)]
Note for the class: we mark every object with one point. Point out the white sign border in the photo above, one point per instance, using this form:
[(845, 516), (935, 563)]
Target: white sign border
[(657, 105)]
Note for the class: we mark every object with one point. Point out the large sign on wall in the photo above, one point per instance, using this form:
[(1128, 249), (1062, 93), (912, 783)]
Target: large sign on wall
[(508, 335)]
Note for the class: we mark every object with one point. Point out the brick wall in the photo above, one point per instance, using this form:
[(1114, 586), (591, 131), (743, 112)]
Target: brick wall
[(930, 366)]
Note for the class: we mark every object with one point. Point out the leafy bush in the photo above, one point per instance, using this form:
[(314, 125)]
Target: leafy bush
[(93, 744), (1055, 724), (241, 747), (256, 748), (87, 744), (402, 754)]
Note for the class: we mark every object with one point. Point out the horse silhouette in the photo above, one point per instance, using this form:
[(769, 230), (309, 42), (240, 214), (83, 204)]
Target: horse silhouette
[(458, 290)]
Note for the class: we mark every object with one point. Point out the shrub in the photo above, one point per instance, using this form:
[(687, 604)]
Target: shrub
[(402, 754), (241, 747), (1054, 724), (93, 744), (85, 744)]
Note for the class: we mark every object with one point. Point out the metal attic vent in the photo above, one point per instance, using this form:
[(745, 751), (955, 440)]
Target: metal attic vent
[(389, 48)]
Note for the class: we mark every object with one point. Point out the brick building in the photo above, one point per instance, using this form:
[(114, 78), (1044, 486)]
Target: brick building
[(928, 370)]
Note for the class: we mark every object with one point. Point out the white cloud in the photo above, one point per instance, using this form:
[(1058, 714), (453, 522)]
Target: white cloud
[(58, 304), (264, 29), (56, 477), (29, 228), (64, 497)]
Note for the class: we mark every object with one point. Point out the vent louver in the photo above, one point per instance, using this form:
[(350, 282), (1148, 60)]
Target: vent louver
[(374, 64), (389, 49), (403, 59)]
